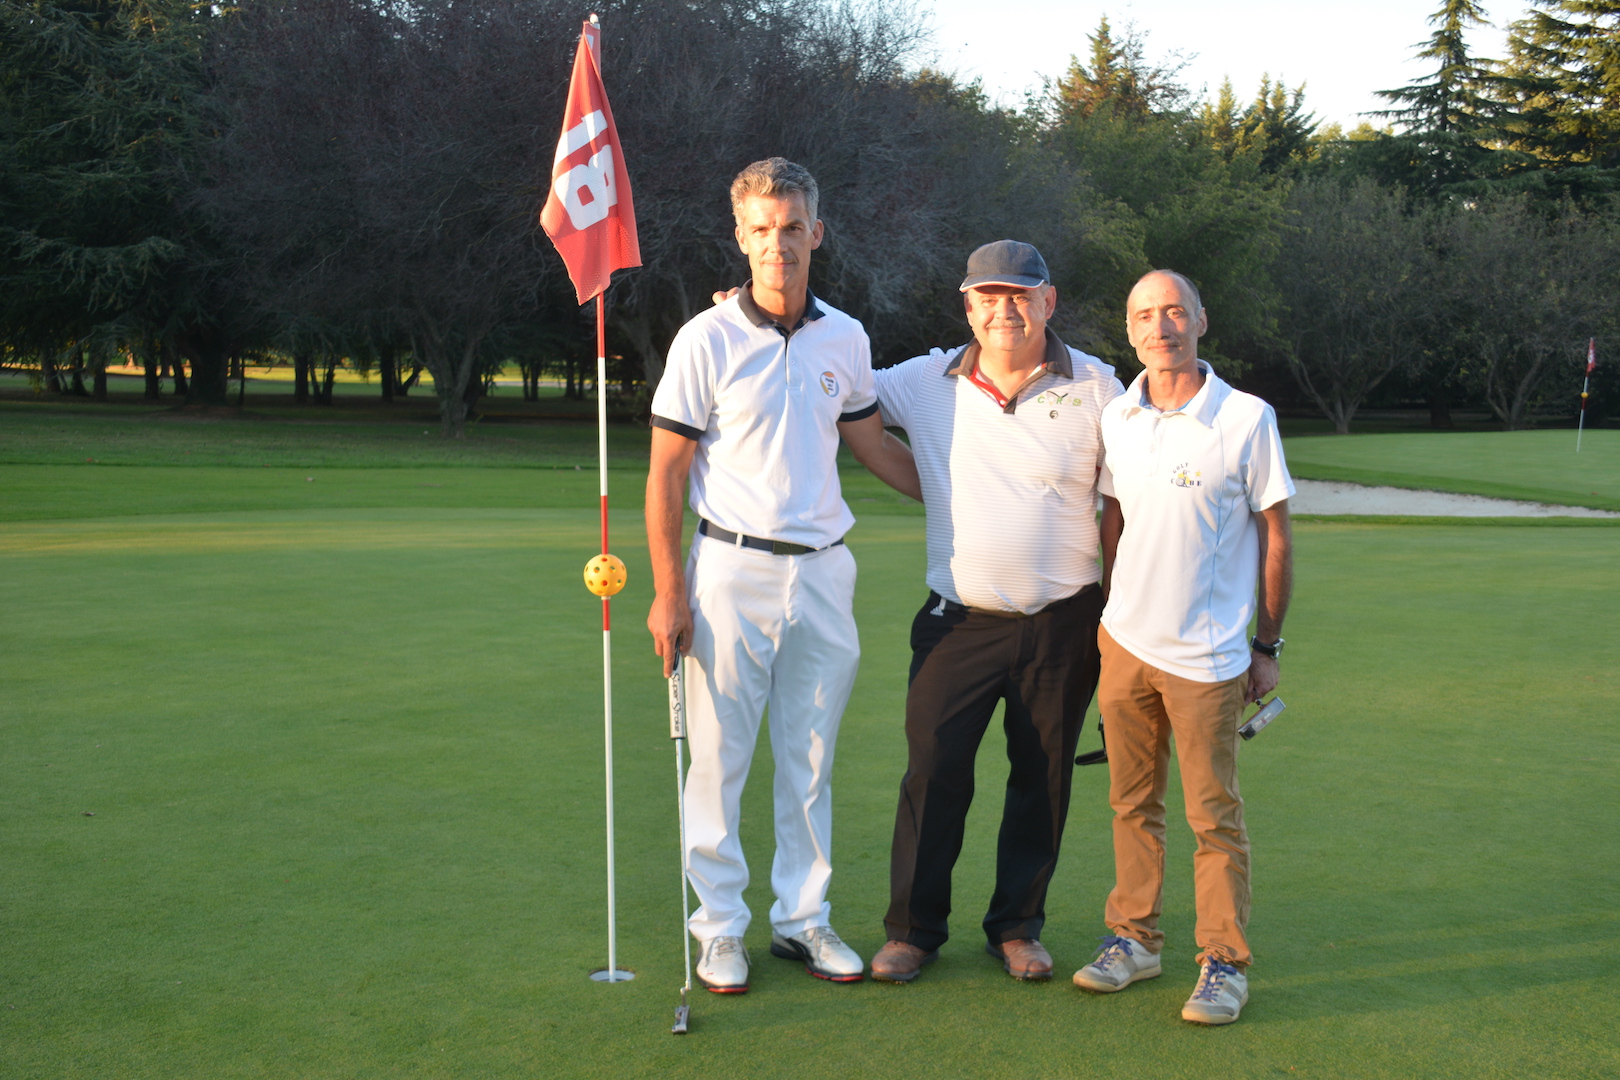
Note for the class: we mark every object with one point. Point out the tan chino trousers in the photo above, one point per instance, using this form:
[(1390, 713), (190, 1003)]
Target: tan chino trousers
[(1142, 706)]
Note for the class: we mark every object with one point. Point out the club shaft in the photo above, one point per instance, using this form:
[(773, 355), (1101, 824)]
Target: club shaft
[(680, 805)]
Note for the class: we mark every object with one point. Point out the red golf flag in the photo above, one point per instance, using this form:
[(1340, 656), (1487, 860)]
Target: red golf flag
[(1591, 354), (588, 214)]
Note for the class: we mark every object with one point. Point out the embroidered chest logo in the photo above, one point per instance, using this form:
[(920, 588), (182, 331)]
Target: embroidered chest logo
[(1181, 477), (1052, 397), (829, 384)]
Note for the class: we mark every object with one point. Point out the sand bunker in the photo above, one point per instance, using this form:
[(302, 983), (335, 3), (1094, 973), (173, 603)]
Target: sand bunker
[(1331, 497)]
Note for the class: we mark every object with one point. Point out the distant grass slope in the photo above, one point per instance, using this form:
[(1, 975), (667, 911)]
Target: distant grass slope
[(85, 462), (317, 792), (1540, 466), (113, 435)]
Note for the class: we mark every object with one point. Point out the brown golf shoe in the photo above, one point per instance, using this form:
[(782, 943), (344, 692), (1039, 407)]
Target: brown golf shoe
[(900, 962), (1023, 958)]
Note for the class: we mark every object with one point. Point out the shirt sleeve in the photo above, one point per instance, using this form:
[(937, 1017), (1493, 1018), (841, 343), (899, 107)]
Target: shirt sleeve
[(897, 390), (1111, 389), (862, 399), (684, 399), (1266, 472)]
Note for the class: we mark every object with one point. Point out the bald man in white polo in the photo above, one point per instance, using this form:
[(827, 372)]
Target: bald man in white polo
[(1198, 473)]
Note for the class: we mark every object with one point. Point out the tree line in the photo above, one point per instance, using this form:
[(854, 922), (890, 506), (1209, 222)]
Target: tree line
[(353, 183)]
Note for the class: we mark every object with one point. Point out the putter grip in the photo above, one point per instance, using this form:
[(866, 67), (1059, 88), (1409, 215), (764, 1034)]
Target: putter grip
[(677, 702)]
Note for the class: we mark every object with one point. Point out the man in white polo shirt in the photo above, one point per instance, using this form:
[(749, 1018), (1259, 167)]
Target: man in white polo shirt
[(1197, 469), (1006, 435), (754, 398)]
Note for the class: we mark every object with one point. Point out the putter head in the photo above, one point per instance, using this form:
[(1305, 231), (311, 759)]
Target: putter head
[(1096, 757), (683, 1013), (1257, 723)]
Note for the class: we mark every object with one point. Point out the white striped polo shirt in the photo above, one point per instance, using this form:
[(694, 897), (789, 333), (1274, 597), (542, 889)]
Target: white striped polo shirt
[(1011, 492)]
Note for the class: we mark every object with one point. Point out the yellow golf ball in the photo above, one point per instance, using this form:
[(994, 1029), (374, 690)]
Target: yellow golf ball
[(604, 575)]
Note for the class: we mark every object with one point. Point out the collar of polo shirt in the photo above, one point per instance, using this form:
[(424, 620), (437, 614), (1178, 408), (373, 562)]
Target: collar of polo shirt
[(1056, 361), (745, 300), (1202, 406)]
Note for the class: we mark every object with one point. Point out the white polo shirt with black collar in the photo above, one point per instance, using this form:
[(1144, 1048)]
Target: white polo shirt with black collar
[(1009, 483), (1189, 482), (763, 402)]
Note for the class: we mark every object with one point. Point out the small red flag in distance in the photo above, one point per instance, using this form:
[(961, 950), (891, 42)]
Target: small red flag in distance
[(588, 214), (1591, 354)]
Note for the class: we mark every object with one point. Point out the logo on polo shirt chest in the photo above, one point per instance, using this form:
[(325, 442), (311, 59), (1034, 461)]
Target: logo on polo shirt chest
[(829, 384), (1052, 397), (1183, 477)]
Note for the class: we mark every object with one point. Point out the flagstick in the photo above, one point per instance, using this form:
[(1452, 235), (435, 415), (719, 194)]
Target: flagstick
[(612, 974), (1580, 428), (1586, 384)]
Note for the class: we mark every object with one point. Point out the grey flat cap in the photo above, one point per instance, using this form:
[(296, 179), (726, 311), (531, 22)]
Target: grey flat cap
[(1006, 262)]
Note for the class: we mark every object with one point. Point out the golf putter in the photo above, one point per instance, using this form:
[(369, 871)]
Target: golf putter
[(1256, 723), (1096, 757), (677, 734)]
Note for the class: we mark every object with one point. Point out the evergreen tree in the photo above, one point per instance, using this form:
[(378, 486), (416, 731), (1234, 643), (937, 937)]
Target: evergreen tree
[(1453, 99), (1119, 79), (1446, 123), (1125, 125), (99, 118), (1563, 78)]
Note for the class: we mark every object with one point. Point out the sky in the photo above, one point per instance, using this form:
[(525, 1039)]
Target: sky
[(1343, 50)]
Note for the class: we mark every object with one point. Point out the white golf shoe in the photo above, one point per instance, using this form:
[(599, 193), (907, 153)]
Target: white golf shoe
[(723, 965), (1220, 995), (1120, 962), (823, 953)]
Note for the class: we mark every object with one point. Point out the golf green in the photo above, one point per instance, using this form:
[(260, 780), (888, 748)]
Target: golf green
[(314, 790)]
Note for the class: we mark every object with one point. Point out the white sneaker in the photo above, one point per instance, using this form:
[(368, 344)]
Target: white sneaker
[(1120, 962), (723, 965), (824, 955), (1220, 995)]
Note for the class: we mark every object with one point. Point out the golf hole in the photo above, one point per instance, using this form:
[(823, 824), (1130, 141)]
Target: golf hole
[(618, 976)]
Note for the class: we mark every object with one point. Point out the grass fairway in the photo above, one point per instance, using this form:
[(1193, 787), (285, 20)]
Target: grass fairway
[(344, 767), (1539, 466)]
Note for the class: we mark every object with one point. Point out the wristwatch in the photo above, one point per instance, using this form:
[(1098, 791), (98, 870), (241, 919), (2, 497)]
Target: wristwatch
[(1274, 650)]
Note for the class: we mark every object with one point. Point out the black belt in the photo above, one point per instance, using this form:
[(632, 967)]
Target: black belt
[(939, 605), (775, 547)]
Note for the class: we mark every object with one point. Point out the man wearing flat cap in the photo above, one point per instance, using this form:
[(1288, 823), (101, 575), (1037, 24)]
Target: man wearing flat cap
[(1007, 437)]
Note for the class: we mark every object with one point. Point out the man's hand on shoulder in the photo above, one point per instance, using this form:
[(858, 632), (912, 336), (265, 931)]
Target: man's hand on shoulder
[(723, 295)]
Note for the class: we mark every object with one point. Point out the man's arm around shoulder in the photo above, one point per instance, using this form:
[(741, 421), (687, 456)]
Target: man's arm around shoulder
[(887, 457)]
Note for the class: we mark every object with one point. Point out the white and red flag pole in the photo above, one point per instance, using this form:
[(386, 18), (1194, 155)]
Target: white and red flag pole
[(1591, 362), (1586, 384), (589, 217)]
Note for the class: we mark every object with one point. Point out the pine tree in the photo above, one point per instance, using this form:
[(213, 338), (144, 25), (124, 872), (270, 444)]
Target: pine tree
[(1448, 123), (1563, 79), (1119, 79), (1453, 99), (1276, 126), (1220, 120)]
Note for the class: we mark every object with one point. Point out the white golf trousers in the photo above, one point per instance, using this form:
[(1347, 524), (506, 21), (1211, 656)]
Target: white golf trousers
[(776, 630)]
